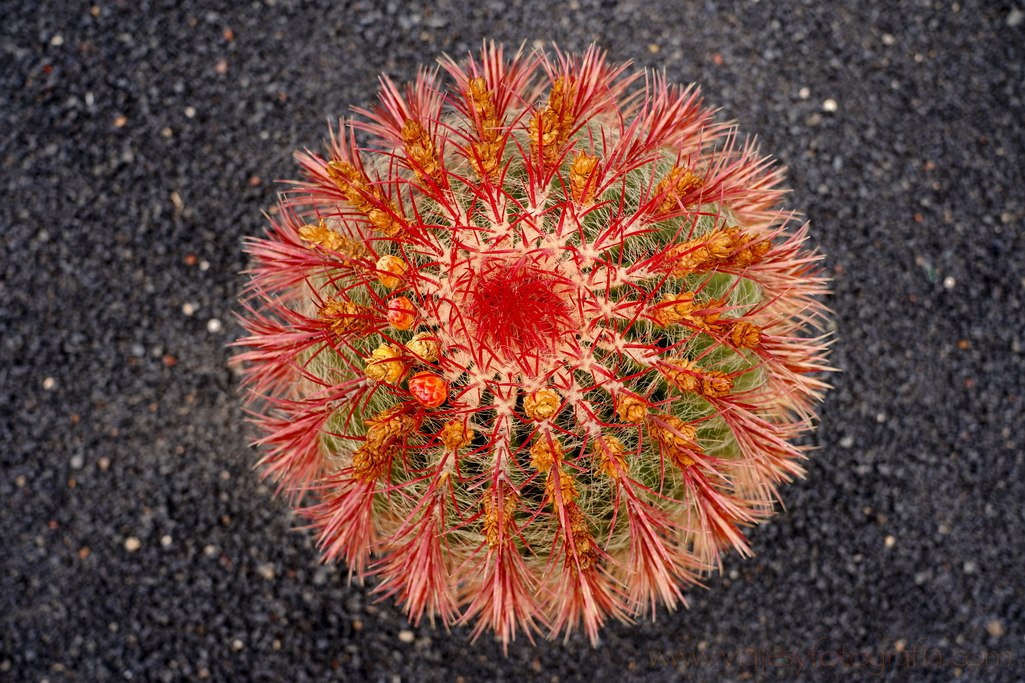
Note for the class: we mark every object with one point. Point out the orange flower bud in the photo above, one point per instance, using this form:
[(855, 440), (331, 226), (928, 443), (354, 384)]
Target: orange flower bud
[(401, 313), (541, 404), (681, 373), (428, 389), (611, 455), (322, 235), (745, 335), (716, 384), (580, 177), (455, 435), (631, 409), (545, 452), (676, 438), (345, 316), (680, 182)]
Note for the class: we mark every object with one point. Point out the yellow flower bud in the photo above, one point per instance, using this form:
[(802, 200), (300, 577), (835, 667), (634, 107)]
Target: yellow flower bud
[(455, 435), (385, 364), (541, 404), (390, 270), (425, 346)]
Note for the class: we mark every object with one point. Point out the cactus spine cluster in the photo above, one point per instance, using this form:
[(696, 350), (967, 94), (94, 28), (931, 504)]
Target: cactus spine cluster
[(532, 342)]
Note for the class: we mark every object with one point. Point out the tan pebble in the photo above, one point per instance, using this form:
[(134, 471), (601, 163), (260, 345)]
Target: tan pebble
[(995, 628)]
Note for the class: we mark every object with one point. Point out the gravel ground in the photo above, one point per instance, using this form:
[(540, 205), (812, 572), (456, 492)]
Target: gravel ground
[(140, 143)]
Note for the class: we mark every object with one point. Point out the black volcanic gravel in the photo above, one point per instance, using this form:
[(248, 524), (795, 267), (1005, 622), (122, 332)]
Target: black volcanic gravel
[(140, 141)]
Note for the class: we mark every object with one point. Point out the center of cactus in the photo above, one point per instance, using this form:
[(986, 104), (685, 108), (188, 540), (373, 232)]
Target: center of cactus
[(517, 311)]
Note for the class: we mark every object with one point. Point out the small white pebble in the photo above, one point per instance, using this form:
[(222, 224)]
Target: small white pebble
[(406, 636), (204, 265), (132, 544), (49, 383), (829, 105), (949, 282), (190, 112), (995, 628), (210, 550), (237, 645), (177, 202), (846, 441), (57, 40), (213, 325), (889, 39), (880, 417), (189, 308), (969, 567), (166, 540), (266, 570), (889, 541), (804, 93), (1015, 17)]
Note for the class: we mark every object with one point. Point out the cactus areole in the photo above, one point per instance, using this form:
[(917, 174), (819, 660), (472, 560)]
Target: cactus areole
[(532, 342)]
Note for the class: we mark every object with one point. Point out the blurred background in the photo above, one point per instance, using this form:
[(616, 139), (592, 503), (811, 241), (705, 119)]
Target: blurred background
[(141, 140)]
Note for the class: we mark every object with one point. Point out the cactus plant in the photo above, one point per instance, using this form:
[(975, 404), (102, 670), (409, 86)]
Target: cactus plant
[(531, 344)]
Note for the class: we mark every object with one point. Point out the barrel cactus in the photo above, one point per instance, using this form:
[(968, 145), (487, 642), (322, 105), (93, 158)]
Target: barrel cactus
[(532, 343)]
